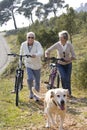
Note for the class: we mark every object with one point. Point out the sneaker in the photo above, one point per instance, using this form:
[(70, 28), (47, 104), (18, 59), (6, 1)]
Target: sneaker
[(36, 99), (31, 96), (13, 91)]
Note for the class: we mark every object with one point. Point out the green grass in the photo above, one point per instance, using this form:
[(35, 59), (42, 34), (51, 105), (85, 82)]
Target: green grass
[(26, 114), (29, 114)]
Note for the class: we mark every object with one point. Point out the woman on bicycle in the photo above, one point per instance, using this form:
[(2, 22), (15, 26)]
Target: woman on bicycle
[(33, 63), (64, 50)]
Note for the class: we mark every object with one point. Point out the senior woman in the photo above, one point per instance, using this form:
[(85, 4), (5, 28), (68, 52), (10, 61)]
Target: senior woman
[(64, 50)]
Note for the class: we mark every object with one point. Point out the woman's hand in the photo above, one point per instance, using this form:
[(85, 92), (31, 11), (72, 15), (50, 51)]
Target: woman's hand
[(67, 59)]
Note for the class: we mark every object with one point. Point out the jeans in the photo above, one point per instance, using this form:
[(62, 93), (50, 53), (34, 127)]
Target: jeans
[(34, 75), (65, 73)]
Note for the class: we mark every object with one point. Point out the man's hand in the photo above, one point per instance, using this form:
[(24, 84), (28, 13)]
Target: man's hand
[(33, 56)]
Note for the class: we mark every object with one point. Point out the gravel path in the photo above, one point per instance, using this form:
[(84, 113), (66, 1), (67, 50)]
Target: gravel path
[(4, 50)]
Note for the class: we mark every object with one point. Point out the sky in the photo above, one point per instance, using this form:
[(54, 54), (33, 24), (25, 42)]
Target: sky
[(21, 21)]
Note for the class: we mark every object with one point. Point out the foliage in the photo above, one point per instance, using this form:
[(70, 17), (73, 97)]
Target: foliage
[(10, 69), (80, 74), (53, 6), (28, 7), (7, 11), (21, 36)]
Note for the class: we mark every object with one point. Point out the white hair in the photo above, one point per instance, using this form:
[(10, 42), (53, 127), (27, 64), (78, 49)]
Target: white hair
[(30, 33), (61, 34)]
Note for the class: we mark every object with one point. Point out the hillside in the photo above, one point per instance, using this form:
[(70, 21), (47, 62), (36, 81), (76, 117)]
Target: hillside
[(29, 115)]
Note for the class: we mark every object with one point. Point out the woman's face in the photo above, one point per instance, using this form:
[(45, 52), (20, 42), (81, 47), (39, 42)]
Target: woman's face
[(63, 40)]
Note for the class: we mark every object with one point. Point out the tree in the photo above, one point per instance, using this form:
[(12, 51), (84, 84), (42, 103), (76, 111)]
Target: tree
[(7, 10), (53, 5), (70, 21), (27, 8), (39, 12)]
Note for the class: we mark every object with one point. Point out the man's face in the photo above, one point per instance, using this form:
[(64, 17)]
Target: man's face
[(30, 39)]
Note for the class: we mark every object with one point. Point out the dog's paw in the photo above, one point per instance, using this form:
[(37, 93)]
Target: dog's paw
[(47, 125), (61, 129)]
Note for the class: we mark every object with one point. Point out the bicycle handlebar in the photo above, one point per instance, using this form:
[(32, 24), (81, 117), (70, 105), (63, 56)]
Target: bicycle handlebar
[(18, 55), (54, 59)]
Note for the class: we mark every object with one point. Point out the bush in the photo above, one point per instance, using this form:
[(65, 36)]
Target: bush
[(80, 74), (21, 36)]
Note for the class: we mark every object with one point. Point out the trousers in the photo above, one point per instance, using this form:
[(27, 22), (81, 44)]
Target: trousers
[(33, 79), (65, 73)]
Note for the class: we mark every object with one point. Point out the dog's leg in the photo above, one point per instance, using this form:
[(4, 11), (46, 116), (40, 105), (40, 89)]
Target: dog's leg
[(48, 123), (46, 115), (47, 118), (56, 119), (61, 121), (50, 119)]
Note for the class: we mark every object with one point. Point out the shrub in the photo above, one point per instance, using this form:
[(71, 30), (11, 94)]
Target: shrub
[(79, 76), (21, 36)]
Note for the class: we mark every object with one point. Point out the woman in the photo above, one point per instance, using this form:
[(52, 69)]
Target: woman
[(64, 50)]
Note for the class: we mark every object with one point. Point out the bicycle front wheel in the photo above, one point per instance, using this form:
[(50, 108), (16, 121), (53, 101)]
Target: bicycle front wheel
[(17, 83), (58, 81)]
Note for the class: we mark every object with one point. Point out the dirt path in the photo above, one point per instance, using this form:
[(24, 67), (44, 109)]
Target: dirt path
[(4, 49), (76, 118)]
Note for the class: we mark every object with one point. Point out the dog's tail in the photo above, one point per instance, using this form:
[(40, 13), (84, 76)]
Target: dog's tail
[(40, 95)]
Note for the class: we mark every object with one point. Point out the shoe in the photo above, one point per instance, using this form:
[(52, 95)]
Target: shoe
[(31, 96), (13, 91), (36, 99)]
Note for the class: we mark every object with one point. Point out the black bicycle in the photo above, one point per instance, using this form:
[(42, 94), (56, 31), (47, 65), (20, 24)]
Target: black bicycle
[(19, 75), (54, 73)]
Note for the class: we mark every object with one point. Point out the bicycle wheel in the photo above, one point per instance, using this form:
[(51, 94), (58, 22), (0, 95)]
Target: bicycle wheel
[(17, 90), (58, 81), (18, 83)]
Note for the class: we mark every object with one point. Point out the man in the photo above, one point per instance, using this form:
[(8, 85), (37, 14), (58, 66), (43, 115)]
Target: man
[(33, 63)]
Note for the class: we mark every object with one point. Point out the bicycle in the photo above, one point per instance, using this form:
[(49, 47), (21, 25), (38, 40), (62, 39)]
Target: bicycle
[(54, 73), (19, 75)]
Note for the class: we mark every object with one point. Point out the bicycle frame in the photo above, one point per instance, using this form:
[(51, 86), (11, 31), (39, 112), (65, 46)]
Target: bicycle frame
[(53, 73), (19, 75)]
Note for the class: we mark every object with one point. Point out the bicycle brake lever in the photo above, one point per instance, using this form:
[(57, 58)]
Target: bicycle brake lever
[(12, 54), (28, 56)]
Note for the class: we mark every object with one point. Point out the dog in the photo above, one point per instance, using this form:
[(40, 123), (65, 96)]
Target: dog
[(55, 104)]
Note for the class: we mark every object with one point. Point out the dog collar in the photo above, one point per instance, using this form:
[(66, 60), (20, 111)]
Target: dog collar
[(54, 102)]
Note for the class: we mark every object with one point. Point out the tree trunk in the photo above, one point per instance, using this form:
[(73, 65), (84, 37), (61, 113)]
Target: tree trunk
[(14, 20)]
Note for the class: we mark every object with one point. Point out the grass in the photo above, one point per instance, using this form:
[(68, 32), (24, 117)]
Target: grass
[(29, 114)]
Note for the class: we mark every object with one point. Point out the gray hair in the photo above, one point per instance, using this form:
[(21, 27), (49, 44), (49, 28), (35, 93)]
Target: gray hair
[(30, 33), (64, 34)]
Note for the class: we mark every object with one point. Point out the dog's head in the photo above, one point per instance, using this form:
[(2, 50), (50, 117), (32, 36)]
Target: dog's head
[(59, 97)]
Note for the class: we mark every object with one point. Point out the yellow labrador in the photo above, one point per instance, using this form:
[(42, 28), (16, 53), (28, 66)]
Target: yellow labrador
[(54, 104)]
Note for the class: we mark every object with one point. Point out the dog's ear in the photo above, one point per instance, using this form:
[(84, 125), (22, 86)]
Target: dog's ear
[(67, 91), (52, 94)]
